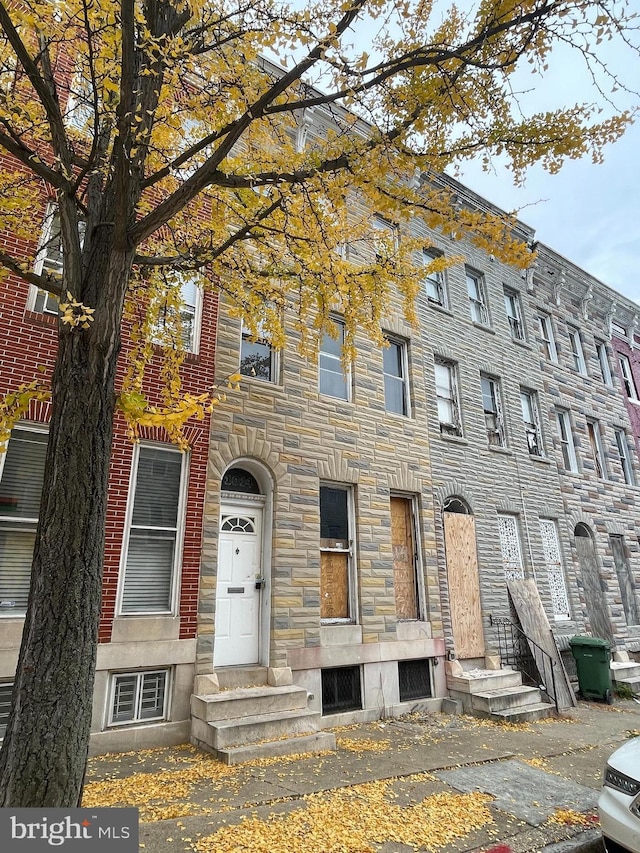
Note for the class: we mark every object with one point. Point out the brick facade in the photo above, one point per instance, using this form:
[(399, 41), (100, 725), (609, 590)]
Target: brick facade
[(127, 643)]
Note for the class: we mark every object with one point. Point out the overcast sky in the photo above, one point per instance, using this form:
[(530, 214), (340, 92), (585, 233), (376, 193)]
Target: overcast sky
[(588, 213)]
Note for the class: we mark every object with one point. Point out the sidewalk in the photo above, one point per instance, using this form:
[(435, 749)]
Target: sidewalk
[(428, 782)]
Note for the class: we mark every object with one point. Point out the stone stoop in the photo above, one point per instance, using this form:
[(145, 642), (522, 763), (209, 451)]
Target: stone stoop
[(498, 695), (627, 673), (243, 723)]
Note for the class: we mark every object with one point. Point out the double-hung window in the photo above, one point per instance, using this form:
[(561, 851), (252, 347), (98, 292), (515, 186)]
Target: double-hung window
[(153, 536), (513, 309), (628, 381), (181, 320), (492, 406), (394, 367), (49, 260), (597, 450), (433, 281), (336, 553), (565, 434), (547, 338), (603, 361), (476, 291), (334, 382), (257, 357), (447, 397), (138, 697), (577, 351), (624, 452), (20, 491), (531, 420)]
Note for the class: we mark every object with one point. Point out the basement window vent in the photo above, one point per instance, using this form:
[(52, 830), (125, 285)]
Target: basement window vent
[(341, 690), (5, 705), (414, 677)]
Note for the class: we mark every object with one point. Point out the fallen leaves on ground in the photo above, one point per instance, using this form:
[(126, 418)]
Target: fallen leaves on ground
[(155, 794), (363, 744), (354, 820), (569, 817)]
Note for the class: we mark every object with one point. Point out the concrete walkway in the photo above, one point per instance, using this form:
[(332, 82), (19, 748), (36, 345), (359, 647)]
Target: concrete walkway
[(428, 782)]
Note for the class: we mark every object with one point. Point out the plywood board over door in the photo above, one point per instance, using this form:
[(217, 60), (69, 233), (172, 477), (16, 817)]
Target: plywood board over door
[(595, 598), (404, 567), (526, 600), (464, 584)]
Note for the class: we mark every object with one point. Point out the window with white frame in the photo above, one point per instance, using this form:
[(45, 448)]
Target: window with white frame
[(597, 450), (79, 109), (565, 434), (477, 297), (531, 421), (547, 338), (433, 281), (492, 406), (603, 361), (48, 260), (513, 310), (20, 491), (446, 375), (336, 553), (628, 382), (394, 368), (389, 232), (555, 569), (334, 382), (576, 350), (619, 331), (186, 324), (624, 452), (257, 358), (6, 690), (153, 536), (138, 697), (510, 547)]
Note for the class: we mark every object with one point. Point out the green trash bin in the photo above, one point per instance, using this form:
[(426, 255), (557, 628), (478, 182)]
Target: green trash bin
[(593, 657)]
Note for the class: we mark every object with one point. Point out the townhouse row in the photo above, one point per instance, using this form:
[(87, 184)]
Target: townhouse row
[(350, 531)]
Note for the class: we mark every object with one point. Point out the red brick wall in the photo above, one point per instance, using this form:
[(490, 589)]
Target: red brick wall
[(28, 340)]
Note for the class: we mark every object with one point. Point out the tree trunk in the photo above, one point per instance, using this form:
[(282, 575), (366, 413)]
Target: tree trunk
[(44, 752)]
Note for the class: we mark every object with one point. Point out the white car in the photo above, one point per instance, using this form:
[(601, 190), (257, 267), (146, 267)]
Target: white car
[(619, 802)]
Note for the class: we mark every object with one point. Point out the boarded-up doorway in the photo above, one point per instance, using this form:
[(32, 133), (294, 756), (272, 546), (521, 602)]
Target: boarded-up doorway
[(463, 581), (405, 578), (595, 599)]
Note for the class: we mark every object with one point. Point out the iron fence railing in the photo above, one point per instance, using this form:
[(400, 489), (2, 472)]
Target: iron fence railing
[(524, 654)]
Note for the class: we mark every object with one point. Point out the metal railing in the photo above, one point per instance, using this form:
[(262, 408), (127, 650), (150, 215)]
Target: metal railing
[(524, 654)]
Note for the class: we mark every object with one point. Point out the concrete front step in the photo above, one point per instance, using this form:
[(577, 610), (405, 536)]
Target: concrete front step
[(631, 683), (525, 714), (623, 671), (484, 681), (263, 727), (231, 677), (317, 742), (508, 697), (248, 701)]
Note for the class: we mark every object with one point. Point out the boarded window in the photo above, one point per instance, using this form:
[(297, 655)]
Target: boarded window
[(335, 553), (404, 559)]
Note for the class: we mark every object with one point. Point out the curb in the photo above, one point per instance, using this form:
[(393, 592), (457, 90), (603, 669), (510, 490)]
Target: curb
[(586, 842)]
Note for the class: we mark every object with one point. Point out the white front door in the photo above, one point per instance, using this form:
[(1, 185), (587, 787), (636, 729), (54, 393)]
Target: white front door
[(238, 593)]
